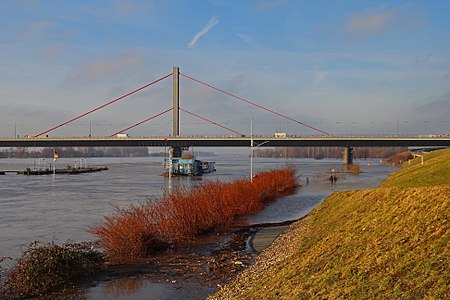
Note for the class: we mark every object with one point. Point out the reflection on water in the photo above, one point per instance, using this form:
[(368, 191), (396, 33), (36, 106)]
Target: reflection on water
[(62, 208), (139, 287), (123, 286)]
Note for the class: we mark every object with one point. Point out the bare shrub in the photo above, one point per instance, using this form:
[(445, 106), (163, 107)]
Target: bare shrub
[(47, 267), (180, 215)]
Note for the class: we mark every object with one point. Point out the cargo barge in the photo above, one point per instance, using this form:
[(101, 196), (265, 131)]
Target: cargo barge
[(68, 170)]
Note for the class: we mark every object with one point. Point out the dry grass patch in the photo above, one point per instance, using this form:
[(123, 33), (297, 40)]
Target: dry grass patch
[(434, 171), (385, 243)]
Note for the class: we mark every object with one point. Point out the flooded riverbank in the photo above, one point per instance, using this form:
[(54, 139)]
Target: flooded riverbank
[(62, 208)]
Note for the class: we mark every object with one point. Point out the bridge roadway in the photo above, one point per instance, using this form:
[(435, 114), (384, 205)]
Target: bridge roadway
[(232, 141)]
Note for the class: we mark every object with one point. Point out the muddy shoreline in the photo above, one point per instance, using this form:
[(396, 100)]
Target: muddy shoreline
[(193, 271)]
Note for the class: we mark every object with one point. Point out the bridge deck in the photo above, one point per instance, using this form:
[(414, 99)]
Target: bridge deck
[(211, 141)]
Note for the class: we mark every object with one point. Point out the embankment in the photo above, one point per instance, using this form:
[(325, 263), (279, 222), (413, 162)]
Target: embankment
[(384, 243)]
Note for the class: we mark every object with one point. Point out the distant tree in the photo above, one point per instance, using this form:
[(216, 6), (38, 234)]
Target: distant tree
[(328, 152)]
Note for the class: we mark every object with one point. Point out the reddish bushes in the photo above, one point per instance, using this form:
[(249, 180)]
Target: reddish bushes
[(181, 214)]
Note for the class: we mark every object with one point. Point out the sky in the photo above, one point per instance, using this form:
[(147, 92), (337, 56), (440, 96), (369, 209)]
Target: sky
[(344, 67)]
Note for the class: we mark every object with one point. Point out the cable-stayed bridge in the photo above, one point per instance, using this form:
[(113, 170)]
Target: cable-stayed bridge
[(234, 138), (231, 141)]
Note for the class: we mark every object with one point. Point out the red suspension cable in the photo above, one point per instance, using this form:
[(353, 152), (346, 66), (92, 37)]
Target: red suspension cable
[(146, 120), (257, 105), (212, 122), (104, 105)]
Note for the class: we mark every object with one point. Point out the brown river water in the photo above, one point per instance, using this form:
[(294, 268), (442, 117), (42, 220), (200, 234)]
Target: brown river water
[(61, 208)]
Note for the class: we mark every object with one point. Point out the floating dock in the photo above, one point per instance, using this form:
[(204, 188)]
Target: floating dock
[(70, 171)]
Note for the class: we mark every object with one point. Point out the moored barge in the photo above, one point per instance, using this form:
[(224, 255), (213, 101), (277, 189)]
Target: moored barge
[(68, 170)]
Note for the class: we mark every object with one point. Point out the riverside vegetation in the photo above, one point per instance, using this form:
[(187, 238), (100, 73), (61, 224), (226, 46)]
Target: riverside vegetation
[(390, 242), (138, 231), (47, 267), (180, 215)]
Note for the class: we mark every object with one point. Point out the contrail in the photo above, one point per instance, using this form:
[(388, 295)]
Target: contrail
[(211, 23)]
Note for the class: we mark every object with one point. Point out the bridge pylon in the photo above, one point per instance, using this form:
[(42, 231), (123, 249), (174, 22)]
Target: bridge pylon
[(176, 102), (176, 151)]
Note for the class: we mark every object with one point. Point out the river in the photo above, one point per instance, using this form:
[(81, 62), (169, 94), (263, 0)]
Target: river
[(60, 208)]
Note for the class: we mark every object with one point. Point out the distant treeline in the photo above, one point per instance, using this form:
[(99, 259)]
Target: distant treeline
[(75, 152), (328, 152), (298, 152)]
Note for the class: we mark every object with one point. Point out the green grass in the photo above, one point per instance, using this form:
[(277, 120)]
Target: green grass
[(384, 243)]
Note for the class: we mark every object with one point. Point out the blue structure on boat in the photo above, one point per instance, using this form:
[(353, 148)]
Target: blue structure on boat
[(184, 167), (187, 165)]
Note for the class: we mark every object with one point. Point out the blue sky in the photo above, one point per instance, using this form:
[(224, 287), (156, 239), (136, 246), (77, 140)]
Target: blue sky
[(346, 67)]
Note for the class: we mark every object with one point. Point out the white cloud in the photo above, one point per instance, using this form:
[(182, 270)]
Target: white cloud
[(125, 7), (102, 67), (211, 23), (52, 52), (369, 23), (248, 39), (36, 29), (270, 4), (438, 109), (319, 76)]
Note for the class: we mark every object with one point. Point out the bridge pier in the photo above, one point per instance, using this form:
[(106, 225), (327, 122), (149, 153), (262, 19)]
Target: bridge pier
[(348, 155), (175, 151)]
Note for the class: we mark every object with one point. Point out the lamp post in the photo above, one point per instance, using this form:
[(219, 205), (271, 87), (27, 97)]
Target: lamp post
[(251, 149), (55, 157), (170, 162), (332, 178)]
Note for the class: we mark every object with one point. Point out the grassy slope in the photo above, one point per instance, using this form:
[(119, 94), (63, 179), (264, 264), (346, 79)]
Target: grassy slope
[(388, 242), (435, 171)]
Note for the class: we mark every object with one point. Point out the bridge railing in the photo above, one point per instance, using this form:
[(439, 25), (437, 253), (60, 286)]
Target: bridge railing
[(258, 136)]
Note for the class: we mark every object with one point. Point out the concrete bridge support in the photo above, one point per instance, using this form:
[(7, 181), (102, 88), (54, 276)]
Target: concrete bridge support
[(348, 155), (176, 102), (175, 151)]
